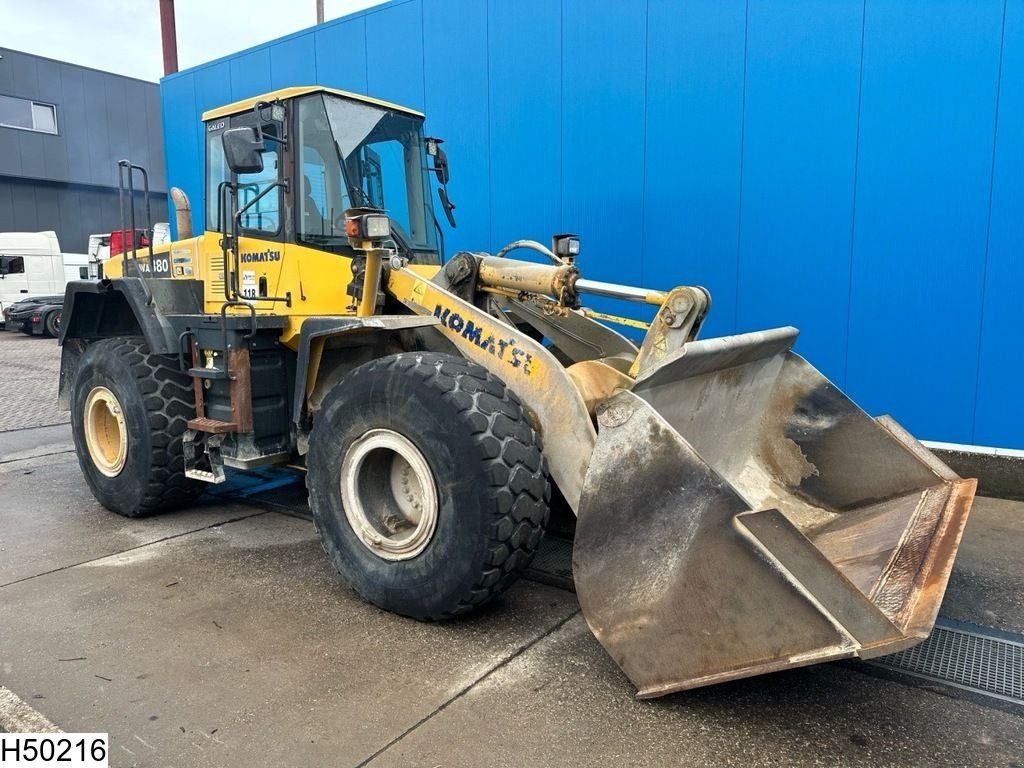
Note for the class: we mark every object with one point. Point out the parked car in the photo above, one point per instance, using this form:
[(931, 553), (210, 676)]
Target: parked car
[(36, 316)]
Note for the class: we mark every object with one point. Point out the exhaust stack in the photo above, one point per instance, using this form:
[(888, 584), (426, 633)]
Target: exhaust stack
[(182, 213)]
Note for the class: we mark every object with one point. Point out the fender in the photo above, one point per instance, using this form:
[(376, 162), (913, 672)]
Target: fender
[(316, 330), (98, 309), (101, 309)]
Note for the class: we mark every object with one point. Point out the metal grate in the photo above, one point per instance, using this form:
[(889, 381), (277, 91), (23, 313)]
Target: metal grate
[(553, 563), (977, 662)]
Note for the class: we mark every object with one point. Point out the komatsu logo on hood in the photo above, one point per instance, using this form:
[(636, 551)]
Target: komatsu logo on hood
[(260, 256)]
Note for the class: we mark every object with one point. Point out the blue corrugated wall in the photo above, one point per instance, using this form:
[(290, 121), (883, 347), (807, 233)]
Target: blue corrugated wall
[(852, 167)]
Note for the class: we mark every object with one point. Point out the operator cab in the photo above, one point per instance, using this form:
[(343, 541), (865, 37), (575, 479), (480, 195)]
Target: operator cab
[(323, 152)]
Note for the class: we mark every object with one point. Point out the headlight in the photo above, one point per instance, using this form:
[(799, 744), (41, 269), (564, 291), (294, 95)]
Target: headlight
[(566, 246), (367, 226), (377, 227)]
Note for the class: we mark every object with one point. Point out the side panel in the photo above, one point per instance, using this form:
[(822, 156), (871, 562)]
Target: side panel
[(293, 62), (456, 86), (524, 102), (924, 169), (799, 156), (603, 66), (250, 74), (1000, 362), (182, 139), (398, 75), (692, 150), (624, 122), (341, 55)]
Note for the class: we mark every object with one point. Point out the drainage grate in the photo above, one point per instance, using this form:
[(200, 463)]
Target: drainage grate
[(553, 563), (977, 662)]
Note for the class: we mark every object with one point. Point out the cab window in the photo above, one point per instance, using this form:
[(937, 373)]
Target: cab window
[(264, 216), (216, 172), (324, 193), (12, 265)]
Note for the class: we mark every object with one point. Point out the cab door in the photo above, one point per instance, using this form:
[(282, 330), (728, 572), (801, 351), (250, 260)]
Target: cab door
[(262, 223), (45, 273), (13, 280)]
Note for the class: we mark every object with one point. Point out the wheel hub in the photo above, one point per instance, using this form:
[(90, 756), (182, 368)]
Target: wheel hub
[(389, 494), (106, 435)]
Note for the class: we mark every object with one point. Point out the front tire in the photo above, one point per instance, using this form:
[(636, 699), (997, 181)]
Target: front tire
[(129, 410), (427, 484)]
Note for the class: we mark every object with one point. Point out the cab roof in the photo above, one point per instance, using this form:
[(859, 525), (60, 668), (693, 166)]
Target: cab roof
[(244, 105)]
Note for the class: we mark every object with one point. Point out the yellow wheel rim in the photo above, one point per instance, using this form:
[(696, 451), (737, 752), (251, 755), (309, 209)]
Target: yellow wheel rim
[(106, 435)]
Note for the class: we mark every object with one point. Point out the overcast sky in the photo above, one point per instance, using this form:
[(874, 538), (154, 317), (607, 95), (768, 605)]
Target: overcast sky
[(123, 36)]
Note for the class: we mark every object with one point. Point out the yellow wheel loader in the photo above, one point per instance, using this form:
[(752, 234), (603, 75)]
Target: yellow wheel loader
[(736, 513)]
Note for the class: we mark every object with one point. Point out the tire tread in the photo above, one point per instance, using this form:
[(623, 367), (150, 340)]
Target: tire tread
[(514, 464), (169, 402)]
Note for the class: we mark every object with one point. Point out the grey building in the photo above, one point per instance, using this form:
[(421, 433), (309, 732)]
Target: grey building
[(62, 130)]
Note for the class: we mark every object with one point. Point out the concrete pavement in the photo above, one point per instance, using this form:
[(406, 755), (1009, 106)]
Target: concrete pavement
[(221, 637)]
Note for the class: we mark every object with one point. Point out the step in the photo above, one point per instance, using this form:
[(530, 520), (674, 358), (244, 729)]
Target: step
[(212, 426)]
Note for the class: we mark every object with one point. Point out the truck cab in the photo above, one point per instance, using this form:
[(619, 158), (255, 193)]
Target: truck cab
[(31, 264)]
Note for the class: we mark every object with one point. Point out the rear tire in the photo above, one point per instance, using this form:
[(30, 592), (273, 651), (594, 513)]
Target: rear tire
[(52, 324), (129, 410), (470, 462)]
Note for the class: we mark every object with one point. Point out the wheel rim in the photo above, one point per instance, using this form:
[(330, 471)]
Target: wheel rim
[(106, 435), (389, 495)]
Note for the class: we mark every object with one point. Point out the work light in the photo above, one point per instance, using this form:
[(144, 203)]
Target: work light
[(367, 226)]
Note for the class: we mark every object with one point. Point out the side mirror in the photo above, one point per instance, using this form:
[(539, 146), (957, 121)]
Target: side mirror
[(440, 158), (243, 150)]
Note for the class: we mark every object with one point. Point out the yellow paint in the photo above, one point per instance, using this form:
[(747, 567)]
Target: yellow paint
[(525, 365), (371, 284), (114, 266), (245, 105), (317, 280)]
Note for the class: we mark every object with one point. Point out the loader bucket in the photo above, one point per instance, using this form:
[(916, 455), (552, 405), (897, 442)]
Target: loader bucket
[(741, 515)]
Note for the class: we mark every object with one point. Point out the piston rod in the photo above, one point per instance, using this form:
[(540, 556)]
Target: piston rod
[(614, 291)]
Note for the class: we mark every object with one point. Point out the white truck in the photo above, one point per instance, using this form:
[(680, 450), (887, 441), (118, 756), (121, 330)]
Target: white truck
[(32, 264)]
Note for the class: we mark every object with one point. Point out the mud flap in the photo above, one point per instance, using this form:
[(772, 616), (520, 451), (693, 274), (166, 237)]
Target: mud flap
[(740, 515)]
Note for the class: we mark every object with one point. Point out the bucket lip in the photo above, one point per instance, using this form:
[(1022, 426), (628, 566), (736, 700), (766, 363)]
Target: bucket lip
[(706, 355)]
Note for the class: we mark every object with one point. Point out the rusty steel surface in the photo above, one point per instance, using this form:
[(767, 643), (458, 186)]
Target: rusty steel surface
[(240, 376), (741, 515)]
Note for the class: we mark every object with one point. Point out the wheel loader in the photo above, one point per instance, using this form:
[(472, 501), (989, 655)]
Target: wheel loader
[(736, 513)]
